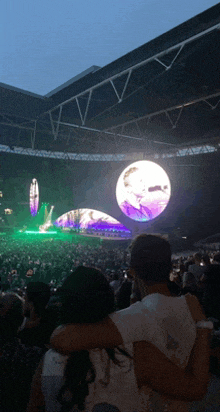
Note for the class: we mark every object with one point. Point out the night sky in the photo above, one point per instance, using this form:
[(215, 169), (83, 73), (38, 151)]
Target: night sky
[(45, 44)]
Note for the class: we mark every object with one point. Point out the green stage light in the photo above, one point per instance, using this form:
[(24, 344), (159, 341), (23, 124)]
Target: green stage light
[(40, 233)]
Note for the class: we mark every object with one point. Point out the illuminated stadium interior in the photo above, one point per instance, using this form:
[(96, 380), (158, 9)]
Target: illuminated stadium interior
[(159, 103)]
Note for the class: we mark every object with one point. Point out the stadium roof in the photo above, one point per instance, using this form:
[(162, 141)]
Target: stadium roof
[(162, 97)]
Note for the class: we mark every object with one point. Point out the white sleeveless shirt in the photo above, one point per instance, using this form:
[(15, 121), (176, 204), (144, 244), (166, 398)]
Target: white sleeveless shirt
[(164, 321)]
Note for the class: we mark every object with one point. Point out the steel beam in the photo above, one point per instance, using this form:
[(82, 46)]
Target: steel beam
[(33, 135), (169, 109), (110, 131), (80, 113), (178, 46), (148, 116), (174, 124), (90, 129), (115, 90), (126, 84), (213, 107), (16, 125)]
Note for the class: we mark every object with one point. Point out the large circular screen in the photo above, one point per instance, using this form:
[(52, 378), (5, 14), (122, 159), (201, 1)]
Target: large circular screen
[(143, 190)]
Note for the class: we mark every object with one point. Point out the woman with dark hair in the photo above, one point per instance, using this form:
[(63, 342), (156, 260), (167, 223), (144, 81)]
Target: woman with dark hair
[(87, 379)]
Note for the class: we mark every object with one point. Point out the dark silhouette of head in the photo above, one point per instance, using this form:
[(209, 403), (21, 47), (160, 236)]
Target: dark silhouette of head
[(38, 294), (212, 274), (197, 258), (216, 258), (206, 259), (11, 315), (86, 296), (115, 276), (188, 263), (211, 302), (151, 258)]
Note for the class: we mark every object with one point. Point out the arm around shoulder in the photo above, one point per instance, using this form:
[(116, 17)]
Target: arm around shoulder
[(75, 337)]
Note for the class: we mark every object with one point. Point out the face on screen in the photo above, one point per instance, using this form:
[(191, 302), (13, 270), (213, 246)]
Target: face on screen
[(136, 184), (143, 191)]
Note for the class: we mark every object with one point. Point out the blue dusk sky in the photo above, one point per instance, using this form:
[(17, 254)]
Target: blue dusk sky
[(45, 43)]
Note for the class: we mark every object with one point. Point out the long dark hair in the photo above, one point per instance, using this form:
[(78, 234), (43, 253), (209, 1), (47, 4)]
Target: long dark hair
[(86, 297)]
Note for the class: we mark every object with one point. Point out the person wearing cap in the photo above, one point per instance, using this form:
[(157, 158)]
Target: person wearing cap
[(170, 335)]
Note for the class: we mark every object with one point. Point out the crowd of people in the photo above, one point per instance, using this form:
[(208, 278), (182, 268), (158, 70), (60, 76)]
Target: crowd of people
[(53, 260), (118, 304)]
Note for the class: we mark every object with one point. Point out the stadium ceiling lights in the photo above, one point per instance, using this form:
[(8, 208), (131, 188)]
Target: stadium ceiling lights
[(181, 152)]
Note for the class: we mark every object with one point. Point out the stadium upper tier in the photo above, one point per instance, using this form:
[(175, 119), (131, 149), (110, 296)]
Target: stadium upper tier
[(157, 100)]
